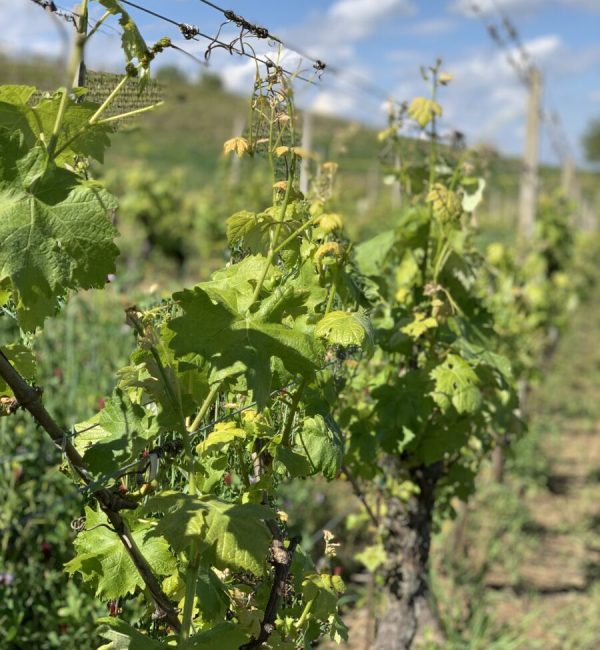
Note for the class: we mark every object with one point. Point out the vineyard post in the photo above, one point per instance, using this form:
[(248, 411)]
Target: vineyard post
[(527, 210), (568, 175), (81, 25), (397, 186), (529, 174)]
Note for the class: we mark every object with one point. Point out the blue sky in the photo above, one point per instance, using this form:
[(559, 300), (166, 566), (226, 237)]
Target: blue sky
[(385, 42)]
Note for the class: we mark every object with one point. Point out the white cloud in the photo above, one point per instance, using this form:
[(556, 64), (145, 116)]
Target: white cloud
[(328, 102), (358, 19), (518, 7), (26, 28), (467, 7), (332, 34), (433, 27)]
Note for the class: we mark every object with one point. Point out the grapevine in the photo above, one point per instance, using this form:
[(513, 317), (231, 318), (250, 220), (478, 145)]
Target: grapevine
[(392, 363)]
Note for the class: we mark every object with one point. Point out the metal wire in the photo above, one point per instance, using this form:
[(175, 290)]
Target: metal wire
[(192, 32)]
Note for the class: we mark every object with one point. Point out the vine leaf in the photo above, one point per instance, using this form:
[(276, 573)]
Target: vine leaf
[(419, 325), (76, 137), (323, 591), (403, 409), (346, 329), (121, 433), (231, 535), (174, 386), (54, 230), (372, 254), (223, 434), (124, 637), (447, 205), (217, 325), (473, 194), (213, 598), (456, 384), (423, 110), (102, 558), (250, 229), (322, 446), (225, 636), (238, 145), (133, 43)]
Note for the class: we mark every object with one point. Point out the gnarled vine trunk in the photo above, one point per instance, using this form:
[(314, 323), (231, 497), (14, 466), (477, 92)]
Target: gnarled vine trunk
[(407, 543)]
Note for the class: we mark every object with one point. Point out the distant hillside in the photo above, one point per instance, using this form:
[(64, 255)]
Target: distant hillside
[(189, 133)]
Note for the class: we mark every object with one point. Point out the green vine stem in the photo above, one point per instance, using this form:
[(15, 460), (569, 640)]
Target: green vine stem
[(74, 63), (296, 233), (289, 423), (191, 576), (271, 255), (192, 428)]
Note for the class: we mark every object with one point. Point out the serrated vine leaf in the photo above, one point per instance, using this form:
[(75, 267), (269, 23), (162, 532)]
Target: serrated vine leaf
[(213, 598), (132, 42), (346, 329), (222, 434), (174, 386), (323, 590), (250, 229), (322, 446), (122, 636), (371, 254), (231, 535), (54, 230), (217, 326), (476, 354), (331, 222), (447, 205), (403, 409), (102, 558), (238, 145), (456, 384), (419, 325), (76, 137), (372, 557), (117, 435), (423, 110), (225, 636)]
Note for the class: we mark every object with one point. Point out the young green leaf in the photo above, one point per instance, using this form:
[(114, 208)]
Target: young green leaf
[(124, 637), (322, 446), (223, 434), (76, 138), (225, 636), (346, 329), (447, 205), (132, 42), (423, 110), (231, 535), (228, 336), (103, 559), (456, 384)]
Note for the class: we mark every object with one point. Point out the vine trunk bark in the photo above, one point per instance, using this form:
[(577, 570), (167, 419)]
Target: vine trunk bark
[(407, 545)]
